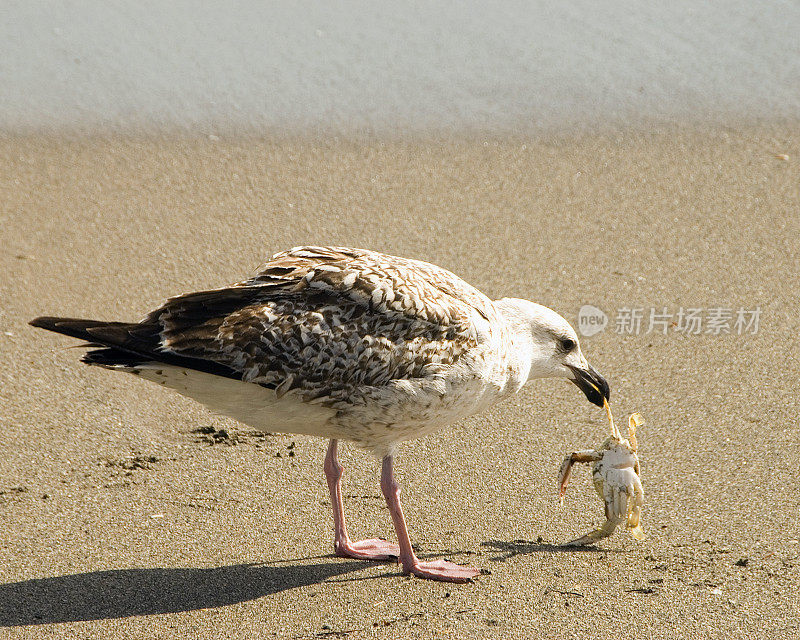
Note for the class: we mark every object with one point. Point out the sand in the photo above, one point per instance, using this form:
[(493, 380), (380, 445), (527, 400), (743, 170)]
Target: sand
[(120, 521)]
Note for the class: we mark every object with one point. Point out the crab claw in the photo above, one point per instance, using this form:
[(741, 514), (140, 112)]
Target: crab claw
[(616, 498)]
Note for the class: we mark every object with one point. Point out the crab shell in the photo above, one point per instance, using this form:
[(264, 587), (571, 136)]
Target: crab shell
[(616, 479)]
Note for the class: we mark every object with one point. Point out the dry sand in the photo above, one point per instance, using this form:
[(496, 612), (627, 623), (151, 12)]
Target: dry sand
[(119, 521)]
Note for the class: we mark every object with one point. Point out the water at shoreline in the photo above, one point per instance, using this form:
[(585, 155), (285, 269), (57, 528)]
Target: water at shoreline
[(300, 66)]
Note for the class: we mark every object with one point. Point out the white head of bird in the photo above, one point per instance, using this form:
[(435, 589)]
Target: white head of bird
[(548, 347)]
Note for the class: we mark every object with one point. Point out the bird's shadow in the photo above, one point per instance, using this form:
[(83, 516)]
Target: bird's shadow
[(119, 593), (524, 547)]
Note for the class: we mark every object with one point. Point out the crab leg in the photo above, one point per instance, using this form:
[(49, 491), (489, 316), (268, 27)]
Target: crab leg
[(635, 510), (593, 536), (634, 422), (586, 455), (614, 431)]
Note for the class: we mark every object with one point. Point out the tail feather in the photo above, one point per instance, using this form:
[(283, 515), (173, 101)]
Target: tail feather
[(127, 345), (75, 327), (114, 359)]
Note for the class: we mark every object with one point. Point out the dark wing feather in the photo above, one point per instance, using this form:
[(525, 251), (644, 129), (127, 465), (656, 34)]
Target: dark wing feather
[(322, 320)]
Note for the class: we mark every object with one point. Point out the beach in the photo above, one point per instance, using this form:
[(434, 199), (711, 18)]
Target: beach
[(122, 520)]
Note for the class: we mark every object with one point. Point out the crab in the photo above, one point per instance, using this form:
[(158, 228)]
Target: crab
[(616, 478)]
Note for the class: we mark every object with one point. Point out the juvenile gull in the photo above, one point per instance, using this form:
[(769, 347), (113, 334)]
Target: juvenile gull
[(347, 344)]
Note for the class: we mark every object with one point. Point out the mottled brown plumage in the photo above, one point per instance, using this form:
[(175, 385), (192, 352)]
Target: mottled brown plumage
[(327, 320)]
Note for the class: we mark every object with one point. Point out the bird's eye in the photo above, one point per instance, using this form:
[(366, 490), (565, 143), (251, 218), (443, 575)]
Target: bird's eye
[(567, 344)]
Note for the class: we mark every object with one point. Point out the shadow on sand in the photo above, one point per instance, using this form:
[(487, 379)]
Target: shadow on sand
[(523, 547), (119, 593)]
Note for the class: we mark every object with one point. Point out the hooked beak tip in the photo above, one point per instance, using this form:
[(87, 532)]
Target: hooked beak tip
[(594, 386)]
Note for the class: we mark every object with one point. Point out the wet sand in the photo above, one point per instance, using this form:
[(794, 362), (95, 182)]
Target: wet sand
[(120, 521)]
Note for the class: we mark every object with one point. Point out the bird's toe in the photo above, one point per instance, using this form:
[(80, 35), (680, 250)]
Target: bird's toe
[(372, 549), (443, 570)]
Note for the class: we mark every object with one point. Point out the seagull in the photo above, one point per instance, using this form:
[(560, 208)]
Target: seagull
[(346, 344)]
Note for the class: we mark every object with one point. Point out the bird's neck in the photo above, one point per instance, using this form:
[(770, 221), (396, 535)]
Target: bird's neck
[(525, 360)]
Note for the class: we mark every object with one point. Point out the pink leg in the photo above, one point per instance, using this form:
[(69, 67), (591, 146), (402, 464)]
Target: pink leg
[(435, 570), (375, 549)]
